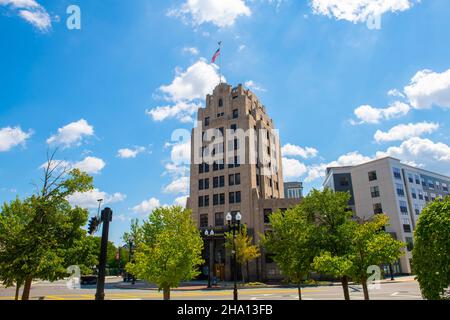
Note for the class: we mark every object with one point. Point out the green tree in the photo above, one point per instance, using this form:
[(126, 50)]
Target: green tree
[(246, 251), (46, 228), (168, 250), (371, 246), (431, 253), (293, 243), (14, 218), (328, 210)]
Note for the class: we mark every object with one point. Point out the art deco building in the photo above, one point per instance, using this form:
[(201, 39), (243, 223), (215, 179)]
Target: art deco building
[(389, 186), (236, 166)]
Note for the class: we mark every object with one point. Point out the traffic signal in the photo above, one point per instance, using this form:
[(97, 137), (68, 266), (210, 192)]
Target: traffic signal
[(93, 225)]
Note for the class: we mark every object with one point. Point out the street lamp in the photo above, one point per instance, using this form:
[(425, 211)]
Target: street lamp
[(209, 235), (131, 244), (234, 226), (391, 271), (99, 205)]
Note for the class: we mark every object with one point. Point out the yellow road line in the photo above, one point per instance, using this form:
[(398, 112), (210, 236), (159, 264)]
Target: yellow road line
[(175, 294)]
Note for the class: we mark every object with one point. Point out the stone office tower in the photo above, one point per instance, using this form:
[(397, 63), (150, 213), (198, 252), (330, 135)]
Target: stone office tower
[(236, 166)]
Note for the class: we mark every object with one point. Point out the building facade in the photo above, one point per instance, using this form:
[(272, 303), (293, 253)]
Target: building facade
[(236, 166), (293, 190), (388, 186)]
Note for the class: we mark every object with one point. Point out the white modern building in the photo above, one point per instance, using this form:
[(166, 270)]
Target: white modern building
[(388, 186)]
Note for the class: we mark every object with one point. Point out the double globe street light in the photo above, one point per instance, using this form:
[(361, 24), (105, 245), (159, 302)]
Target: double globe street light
[(234, 225)]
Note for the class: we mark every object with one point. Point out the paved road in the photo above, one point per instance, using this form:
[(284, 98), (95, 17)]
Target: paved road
[(404, 289)]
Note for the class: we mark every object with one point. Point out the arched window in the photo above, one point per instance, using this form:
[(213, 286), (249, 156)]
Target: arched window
[(220, 103)]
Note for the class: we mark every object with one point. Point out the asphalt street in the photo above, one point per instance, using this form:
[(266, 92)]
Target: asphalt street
[(401, 289)]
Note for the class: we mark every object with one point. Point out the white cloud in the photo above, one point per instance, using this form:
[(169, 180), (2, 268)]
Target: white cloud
[(428, 88), (194, 83), (186, 91), (72, 134), (88, 200), (181, 153), (89, 165), (252, 85), (130, 153), (350, 159), (220, 13), (11, 137), (181, 201), (176, 170), (180, 185), (369, 114), (293, 169), (318, 171), (406, 131), (396, 93), (422, 152), (181, 111), (147, 206), (191, 50), (358, 10), (297, 151), (31, 11)]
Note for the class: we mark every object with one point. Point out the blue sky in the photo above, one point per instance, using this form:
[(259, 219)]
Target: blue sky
[(341, 87)]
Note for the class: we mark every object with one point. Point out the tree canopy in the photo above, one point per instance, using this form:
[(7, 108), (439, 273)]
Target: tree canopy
[(41, 235), (293, 241), (168, 249), (431, 252), (246, 251)]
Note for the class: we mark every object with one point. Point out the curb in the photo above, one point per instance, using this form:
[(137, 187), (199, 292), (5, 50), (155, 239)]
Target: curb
[(228, 287)]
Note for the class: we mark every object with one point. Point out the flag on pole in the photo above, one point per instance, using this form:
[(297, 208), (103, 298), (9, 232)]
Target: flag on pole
[(217, 54)]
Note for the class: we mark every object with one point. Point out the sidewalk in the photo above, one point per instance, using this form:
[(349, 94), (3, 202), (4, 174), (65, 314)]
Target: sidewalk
[(203, 285)]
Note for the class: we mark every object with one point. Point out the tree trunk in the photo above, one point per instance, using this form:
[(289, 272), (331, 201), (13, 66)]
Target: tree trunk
[(365, 289), (166, 292), (344, 281), (18, 285), (300, 291), (248, 272), (27, 289)]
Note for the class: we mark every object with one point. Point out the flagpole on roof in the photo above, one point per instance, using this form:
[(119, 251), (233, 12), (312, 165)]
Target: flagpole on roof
[(220, 68)]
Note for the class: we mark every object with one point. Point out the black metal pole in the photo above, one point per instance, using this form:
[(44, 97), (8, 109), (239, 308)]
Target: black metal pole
[(210, 243), (235, 292), (106, 218), (391, 271), (133, 279)]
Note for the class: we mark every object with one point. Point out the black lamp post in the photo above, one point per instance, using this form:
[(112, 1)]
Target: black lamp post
[(131, 244), (391, 271), (234, 226), (209, 235)]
